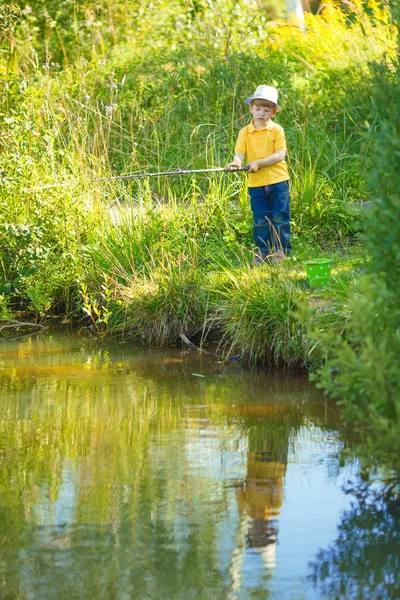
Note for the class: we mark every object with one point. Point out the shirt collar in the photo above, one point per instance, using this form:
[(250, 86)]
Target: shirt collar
[(251, 127)]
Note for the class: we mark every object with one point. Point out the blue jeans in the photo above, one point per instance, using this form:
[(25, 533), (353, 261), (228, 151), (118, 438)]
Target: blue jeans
[(271, 214)]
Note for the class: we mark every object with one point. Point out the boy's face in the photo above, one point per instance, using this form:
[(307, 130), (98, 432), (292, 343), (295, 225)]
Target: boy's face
[(262, 111)]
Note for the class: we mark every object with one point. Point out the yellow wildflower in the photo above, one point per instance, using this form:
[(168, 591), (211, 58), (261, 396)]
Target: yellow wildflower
[(199, 70), (170, 67)]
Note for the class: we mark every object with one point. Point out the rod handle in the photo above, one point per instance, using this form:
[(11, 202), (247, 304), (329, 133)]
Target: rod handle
[(236, 169)]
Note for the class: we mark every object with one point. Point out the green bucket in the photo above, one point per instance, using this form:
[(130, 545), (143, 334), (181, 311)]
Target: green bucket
[(318, 271)]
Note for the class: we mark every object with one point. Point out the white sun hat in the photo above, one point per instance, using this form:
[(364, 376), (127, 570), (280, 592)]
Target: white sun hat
[(265, 92)]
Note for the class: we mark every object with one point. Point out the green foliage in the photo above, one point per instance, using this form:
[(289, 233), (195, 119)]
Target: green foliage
[(42, 251), (362, 369), (257, 311), (135, 229), (90, 29), (96, 306), (362, 372), (158, 307), (5, 312)]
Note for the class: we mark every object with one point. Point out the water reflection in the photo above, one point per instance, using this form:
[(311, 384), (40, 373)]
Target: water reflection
[(125, 475), (364, 561), (260, 499)]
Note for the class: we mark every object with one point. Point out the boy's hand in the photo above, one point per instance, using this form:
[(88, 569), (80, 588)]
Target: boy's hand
[(253, 166), (236, 164)]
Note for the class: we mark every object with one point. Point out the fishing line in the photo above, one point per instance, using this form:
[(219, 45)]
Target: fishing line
[(138, 176)]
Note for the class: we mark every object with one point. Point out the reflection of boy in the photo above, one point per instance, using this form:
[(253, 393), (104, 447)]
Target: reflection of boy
[(260, 498), (262, 143)]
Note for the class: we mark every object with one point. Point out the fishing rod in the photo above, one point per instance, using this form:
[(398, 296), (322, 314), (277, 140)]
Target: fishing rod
[(138, 176)]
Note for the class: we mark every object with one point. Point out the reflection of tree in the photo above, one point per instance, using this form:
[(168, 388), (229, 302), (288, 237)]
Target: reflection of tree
[(107, 469), (364, 561)]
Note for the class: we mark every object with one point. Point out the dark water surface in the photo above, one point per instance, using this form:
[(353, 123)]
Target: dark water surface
[(164, 474)]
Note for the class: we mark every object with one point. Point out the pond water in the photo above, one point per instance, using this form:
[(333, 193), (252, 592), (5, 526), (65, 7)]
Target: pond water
[(129, 473)]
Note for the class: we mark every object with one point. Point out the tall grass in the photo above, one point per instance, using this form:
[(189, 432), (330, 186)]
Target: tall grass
[(157, 307), (257, 315)]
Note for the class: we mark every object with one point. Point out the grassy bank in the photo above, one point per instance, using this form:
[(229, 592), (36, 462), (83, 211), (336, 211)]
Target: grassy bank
[(189, 269)]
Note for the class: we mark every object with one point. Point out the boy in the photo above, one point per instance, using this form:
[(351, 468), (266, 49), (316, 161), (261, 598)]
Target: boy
[(263, 145)]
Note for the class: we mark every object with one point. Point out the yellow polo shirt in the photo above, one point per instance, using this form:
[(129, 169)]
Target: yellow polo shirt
[(260, 143)]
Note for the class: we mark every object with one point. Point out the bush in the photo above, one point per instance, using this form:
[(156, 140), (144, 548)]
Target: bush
[(363, 368)]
